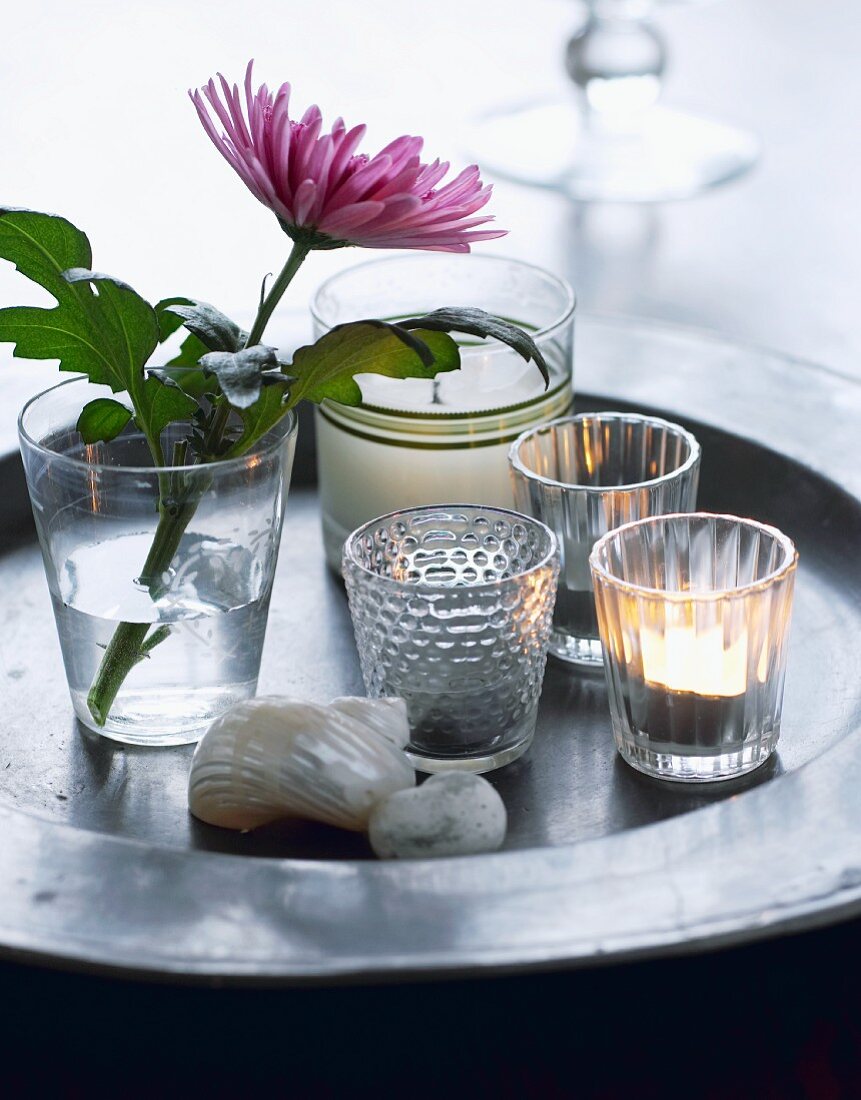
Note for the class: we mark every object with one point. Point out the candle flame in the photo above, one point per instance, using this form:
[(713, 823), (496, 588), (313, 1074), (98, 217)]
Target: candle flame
[(682, 658)]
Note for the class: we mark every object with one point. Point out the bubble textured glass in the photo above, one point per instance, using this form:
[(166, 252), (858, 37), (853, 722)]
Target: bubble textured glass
[(585, 475), (452, 606), (694, 613)]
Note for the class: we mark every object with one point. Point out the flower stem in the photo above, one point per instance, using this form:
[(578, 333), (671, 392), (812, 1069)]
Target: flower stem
[(127, 646), (294, 262), (121, 655), (177, 505)]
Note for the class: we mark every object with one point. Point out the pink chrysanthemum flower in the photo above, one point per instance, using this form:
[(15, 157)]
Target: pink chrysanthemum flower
[(327, 196)]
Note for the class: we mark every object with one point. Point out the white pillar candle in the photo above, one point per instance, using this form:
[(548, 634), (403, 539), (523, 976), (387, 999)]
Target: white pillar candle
[(373, 461), (446, 440)]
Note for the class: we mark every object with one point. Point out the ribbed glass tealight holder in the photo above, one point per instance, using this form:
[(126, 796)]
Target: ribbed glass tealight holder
[(584, 475), (694, 615)]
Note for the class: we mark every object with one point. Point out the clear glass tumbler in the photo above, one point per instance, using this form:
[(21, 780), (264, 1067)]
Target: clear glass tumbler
[(451, 607), (416, 441), (160, 577), (694, 613), (585, 475)]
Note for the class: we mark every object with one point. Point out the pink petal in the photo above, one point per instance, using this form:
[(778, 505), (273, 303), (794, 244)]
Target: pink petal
[(317, 181), (350, 217), (306, 192)]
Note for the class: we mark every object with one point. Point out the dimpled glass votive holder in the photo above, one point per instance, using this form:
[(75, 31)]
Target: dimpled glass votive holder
[(451, 606), (584, 475), (694, 614)]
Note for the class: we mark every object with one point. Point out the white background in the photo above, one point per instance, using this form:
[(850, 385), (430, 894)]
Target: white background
[(96, 125)]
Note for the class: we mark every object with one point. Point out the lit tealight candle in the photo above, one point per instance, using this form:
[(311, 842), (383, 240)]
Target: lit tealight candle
[(693, 688), (694, 614), (702, 663)]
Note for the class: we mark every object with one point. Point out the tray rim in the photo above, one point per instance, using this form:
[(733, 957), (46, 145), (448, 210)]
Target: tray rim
[(569, 882)]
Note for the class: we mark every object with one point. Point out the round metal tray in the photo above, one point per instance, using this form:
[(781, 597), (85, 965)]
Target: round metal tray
[(104, 869)]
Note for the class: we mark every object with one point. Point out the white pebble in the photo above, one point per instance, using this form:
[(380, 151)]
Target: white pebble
[(451, 814)]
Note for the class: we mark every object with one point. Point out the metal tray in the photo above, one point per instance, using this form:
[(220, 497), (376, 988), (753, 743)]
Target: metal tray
[(101, 866)]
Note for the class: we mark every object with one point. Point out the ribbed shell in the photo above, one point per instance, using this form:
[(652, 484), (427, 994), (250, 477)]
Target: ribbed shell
[(272, 758)]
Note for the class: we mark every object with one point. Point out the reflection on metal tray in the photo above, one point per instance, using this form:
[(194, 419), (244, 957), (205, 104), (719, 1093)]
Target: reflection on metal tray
[(109, 870)]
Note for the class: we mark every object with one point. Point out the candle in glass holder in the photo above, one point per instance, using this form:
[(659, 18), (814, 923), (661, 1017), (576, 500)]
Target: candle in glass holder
[(582, 476), (693, 689), (414, 442), (694, 616), (451, 607)]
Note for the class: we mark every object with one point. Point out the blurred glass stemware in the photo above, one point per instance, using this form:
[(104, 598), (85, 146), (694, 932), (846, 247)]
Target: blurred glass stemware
[(610, 142)]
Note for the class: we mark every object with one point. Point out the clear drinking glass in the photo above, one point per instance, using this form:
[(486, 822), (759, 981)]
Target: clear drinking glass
[(584, 475), (451, 607), (196, 626), (418, 441), (694, 613)]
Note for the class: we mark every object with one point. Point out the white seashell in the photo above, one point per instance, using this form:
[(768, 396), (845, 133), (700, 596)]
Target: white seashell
[(272, 758), (451, 814), (387, 717)]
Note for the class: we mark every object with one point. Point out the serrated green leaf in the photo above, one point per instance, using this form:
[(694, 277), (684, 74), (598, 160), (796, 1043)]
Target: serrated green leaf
[(185, 369), (476, 322), (99, 335), (133, 326), (326, 370), (42, 246), (102, 420)]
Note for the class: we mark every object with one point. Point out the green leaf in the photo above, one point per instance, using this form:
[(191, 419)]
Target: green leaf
[(156, 402), (42, 246), (241, 374), (264, 414), (189, 377), (325, 370), (475, 322), (184, 369), (191, 351), (99, 326), (124, 324), (214, 330), (168, 321), (418, 346), (161, 403), (102, 420)]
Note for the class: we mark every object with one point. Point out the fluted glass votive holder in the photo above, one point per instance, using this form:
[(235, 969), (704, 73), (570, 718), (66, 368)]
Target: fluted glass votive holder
[(584, 475), (451, 606), (694, 614)]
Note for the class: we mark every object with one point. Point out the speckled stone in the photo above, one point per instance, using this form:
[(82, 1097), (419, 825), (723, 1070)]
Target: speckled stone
[(451, 814)]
